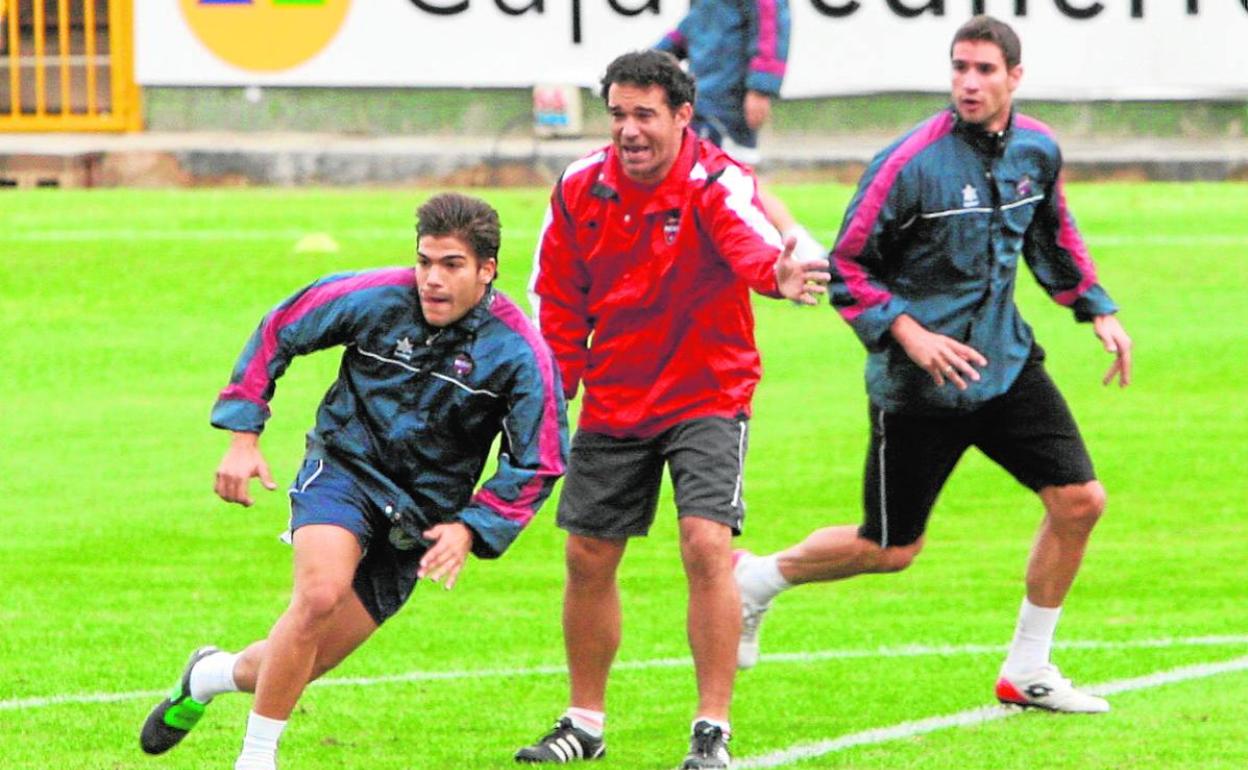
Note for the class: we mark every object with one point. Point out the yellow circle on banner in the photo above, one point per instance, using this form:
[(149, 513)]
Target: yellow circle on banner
[(265, 35)]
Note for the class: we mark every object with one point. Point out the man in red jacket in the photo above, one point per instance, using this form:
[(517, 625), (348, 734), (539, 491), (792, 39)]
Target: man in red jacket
[(646, 260)]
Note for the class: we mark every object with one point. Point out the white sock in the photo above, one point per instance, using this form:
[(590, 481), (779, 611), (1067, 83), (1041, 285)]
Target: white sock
[(807, 248), (588, 720), (1033, 639), (760, 579), (213, 676), (260, 743), (724, 727)]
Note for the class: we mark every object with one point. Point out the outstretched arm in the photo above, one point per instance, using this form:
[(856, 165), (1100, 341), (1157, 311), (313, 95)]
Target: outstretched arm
[(801, 282)]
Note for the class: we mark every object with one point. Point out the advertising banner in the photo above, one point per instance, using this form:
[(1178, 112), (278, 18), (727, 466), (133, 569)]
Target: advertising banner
[(1072, 49)]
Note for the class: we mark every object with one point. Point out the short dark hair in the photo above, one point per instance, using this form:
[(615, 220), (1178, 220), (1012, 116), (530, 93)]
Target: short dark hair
[(469, 219), (651, 68), (988, 29)]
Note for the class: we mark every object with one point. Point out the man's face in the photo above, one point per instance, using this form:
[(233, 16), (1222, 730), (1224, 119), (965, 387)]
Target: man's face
[(645, 130), (983, 87), (450, 278)]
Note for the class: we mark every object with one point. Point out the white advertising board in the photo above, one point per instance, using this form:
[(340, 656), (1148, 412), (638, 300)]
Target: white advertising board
[(1072, 49)]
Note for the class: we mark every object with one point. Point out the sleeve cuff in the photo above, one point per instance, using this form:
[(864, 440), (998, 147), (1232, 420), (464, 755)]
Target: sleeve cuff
[(239, 415), (1095, 301), (872, 327), (763, 82), (491, 533)]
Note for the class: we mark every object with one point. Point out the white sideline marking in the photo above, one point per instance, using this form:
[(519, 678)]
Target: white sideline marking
[(906, 651), (977, 716)]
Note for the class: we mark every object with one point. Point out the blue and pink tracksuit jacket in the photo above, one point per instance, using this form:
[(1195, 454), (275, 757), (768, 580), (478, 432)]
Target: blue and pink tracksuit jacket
[(935, 230), (733, 46), (416, 408)]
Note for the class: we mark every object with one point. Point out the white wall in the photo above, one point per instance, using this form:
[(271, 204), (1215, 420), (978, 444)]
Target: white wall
[(1129, 49)]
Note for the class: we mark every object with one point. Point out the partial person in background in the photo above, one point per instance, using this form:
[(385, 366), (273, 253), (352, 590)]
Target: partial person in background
[(437, 365), (738, 52), (645, 263), (924, 270)]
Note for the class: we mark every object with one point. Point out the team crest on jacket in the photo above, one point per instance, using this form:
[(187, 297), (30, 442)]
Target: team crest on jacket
[(671, 228), (970, 196), (404, 349), (462, 365), (1024, 186)]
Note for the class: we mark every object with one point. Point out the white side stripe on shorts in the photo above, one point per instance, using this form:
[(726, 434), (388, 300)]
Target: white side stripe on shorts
[(883, 486), (736, 490)]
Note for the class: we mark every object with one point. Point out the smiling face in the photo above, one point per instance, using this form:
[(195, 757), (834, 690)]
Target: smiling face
[(645, 130), (450, 278), (983, 86)]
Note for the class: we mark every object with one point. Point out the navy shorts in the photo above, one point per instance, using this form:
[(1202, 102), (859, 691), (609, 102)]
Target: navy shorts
[(1028, 430), (611, 490), (325, 493)]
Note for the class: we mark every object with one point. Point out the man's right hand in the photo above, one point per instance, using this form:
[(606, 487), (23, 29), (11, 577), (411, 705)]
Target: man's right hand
[(242, 463), (944, 358)]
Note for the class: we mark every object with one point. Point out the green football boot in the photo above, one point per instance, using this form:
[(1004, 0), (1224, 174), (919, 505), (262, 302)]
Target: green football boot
[(173, 717)]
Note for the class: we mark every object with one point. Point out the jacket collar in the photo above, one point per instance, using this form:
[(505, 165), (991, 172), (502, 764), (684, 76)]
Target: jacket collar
[(466, 327), (666, 195), (988, 143)]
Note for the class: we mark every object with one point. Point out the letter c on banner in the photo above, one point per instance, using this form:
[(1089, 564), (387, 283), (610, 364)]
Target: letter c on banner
[(840, 11), (1079, 13), (906, 12), (441, 10)]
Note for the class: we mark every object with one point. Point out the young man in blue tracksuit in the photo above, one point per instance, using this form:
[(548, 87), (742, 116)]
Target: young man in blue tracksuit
[(924, 270), (437, 364)]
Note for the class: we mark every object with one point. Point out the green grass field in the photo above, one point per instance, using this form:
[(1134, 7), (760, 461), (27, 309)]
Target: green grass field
[(122, 313)]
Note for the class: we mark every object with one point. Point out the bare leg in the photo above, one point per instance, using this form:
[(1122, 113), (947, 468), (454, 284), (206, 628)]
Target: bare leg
[(591, 616), (325, 560), (351, 627), (714, 615), (834, 553), (1070, 514)]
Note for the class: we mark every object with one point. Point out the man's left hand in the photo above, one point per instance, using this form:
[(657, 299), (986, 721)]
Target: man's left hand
[(445, 558), (801, 282), (1116, 341), (757, 109)]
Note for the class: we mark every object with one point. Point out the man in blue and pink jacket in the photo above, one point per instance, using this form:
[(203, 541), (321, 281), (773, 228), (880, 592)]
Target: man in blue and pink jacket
[(924, 271), (437, 365)]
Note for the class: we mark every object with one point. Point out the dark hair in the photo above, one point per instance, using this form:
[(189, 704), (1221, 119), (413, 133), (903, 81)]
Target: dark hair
[(469, 219), (991, 30), (651, 68)]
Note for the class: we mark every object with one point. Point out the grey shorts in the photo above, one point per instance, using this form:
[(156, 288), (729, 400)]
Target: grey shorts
[(611, 490)]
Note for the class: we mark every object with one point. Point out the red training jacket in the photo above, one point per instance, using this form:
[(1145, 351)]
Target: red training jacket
[(643, 292)]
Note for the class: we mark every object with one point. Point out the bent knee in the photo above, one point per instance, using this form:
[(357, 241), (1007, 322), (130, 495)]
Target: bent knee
[(319, 600), (1076, 504), (893, 558)]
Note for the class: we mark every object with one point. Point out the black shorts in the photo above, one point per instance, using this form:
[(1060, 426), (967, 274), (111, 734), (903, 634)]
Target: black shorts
[(324, 493), (611, 490), (1028, 431)]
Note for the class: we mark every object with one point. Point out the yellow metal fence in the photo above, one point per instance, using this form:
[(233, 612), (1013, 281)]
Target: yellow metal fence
[(68, 65)]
